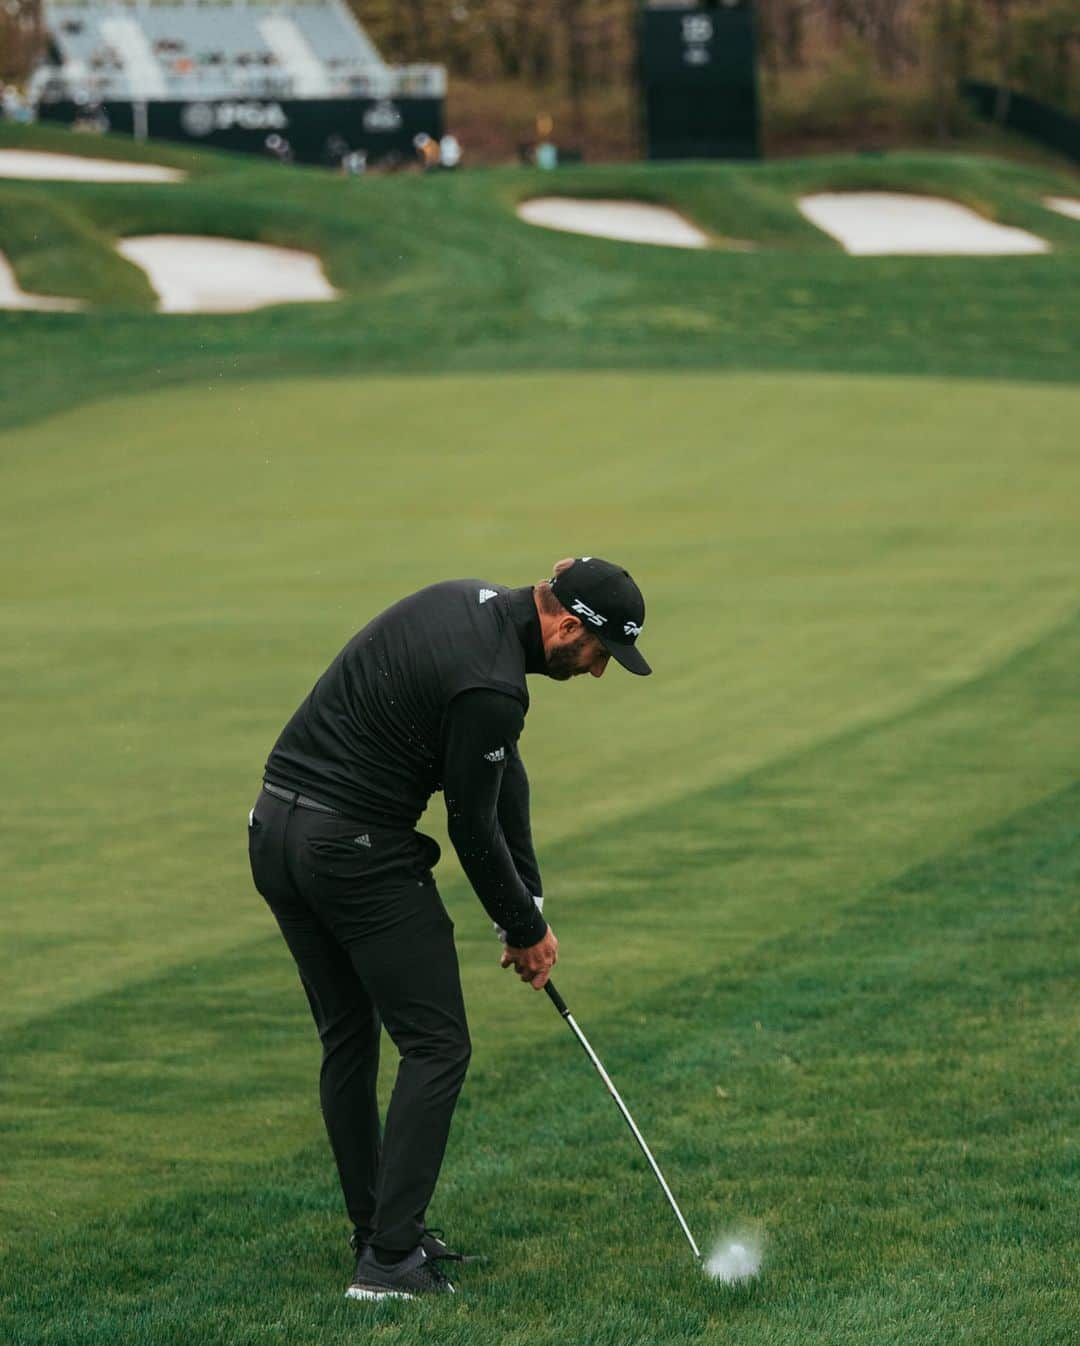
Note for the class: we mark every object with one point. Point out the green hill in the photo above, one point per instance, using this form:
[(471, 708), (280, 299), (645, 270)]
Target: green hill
[(439, 274)]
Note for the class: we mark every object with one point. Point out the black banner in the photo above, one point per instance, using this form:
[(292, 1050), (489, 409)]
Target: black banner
[(698, 69), (311, 131)]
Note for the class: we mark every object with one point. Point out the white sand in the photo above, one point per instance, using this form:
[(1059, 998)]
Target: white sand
[(12, 297), (74, 168), (875, 223), (222, 275), (1064, 205), (627, 221)]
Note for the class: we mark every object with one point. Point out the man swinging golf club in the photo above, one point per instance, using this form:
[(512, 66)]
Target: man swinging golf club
[(430, 695)]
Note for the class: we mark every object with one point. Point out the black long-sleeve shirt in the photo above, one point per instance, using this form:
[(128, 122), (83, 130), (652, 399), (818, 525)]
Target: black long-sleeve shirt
[(431, 694), (487, 810)]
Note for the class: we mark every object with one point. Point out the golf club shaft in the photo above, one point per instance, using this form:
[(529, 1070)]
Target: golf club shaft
[(560, 1004)]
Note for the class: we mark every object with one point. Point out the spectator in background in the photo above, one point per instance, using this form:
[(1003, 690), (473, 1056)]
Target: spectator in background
[(91, 118), (545, 155), (334, 151), (8, 95), (277, 147), (427, 150), (449, 151)]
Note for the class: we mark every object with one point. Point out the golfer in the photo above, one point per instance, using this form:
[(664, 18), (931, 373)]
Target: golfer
[(430, 695)]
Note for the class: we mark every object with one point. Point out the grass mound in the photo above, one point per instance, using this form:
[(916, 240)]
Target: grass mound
[(438, 273), (55, 249)]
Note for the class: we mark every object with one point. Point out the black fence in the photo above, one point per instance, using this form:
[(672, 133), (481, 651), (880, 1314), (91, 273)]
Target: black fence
[(1019, 112)]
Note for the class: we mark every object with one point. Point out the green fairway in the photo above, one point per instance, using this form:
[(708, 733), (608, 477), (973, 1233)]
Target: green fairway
[(813, 881)]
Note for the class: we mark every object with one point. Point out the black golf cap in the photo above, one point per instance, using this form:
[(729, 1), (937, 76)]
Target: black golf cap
[(609, 604)]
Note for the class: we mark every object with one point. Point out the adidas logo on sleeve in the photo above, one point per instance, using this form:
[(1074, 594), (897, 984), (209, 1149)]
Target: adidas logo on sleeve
[(485, 594), (496, 755)]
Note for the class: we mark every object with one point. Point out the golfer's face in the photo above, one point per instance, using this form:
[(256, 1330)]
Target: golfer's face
[(581, 653), (596, 659)]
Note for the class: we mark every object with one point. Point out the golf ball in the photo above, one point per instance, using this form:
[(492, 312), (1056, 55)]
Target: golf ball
[(732, 1261)]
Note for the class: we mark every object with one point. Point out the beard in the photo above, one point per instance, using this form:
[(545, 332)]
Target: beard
[(563, 662)]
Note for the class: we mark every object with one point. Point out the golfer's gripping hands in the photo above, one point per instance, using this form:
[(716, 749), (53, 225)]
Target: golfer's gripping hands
[(533, 965)]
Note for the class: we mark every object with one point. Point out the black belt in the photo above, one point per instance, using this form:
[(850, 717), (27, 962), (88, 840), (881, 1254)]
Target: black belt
[(301, 801)]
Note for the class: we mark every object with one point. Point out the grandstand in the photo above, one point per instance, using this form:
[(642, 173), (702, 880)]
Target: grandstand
[(230, 72)]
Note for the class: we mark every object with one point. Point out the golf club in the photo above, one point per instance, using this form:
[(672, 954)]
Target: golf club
[(560, 1004)]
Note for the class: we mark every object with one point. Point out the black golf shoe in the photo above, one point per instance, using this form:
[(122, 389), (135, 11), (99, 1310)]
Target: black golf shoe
[(432, 1243), (415, 1275)]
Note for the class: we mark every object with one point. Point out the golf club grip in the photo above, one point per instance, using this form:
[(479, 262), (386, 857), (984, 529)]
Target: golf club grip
[(556, 999)]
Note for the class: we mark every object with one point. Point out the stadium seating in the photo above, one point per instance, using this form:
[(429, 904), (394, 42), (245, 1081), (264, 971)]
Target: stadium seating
[(226, 49)]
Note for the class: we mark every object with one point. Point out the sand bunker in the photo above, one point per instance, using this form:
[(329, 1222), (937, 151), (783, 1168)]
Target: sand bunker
[(12, 297), (627, 221), (222, 275), (1064, 205), (73, 168), (875, 223)]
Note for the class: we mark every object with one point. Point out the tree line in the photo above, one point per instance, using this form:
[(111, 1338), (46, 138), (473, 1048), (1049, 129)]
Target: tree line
[(1033, 45), (588, 47)]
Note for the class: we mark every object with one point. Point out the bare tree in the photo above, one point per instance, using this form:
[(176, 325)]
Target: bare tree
[(571, 20), (22, 37), (781, 32)]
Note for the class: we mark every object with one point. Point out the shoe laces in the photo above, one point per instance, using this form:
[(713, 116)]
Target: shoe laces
[(445, 1254), (437, 1274)]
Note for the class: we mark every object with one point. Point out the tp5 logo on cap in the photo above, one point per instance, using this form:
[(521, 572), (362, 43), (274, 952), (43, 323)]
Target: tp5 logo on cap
[(583, 610), (609, 604)]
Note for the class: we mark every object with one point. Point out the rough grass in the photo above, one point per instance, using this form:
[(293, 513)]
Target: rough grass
[(813, 881), (439, 275)]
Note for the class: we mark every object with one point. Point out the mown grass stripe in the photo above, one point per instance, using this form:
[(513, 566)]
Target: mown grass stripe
[(798, 581), (719, 875), (894, 1114), (674, 836)]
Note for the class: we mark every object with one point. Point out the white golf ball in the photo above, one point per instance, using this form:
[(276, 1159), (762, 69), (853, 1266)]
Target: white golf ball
[(731, 1261)]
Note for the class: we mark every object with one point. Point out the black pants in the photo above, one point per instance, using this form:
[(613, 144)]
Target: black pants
[(372, 941)]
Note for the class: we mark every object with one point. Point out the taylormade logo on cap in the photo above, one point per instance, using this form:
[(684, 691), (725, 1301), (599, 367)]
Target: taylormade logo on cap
[(608, 603)]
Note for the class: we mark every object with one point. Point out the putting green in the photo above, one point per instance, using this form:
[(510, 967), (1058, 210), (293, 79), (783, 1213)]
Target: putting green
[(862, 619)]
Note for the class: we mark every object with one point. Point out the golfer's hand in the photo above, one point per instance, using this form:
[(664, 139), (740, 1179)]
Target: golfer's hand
[(533, 964)]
